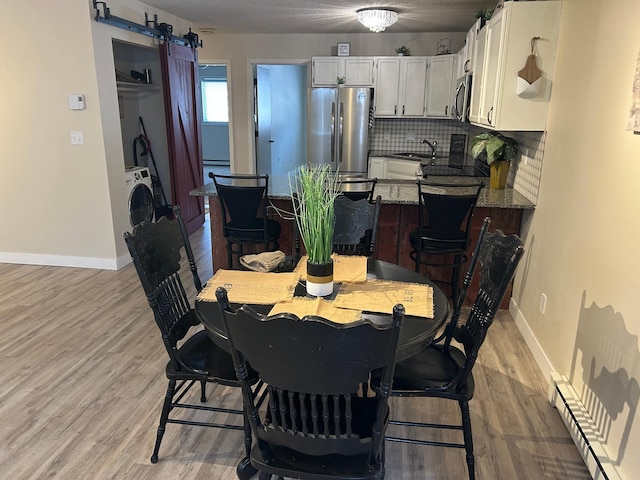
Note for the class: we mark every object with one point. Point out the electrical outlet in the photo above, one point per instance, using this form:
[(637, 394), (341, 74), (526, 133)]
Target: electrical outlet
[(77, 138), (543, 303), (410, 136)]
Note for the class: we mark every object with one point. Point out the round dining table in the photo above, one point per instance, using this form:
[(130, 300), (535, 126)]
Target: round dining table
[(416, 332)]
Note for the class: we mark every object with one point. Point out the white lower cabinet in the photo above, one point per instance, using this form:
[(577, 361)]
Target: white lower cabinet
[(394, 169)]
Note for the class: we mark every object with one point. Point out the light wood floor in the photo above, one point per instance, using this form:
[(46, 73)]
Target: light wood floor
[(82, 376)]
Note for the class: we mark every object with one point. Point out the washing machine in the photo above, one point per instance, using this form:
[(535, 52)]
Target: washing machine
[(139, 194)]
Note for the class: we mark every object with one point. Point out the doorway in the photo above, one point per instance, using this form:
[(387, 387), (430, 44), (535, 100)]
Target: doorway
[(280, 119), (215, 117)]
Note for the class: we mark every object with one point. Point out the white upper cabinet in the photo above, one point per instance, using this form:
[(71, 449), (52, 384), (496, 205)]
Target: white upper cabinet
[(400, 86), (467, 65), (358, 71), (502, 48), (440, 83)]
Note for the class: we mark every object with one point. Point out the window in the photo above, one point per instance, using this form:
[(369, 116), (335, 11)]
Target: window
[(214, 100)]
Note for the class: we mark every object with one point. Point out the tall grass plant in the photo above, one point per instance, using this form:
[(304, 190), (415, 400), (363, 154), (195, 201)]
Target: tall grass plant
[(314, 190)]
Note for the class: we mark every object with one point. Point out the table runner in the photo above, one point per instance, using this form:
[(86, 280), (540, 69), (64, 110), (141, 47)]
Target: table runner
[(381, 296), (301, 306), (256, 288)]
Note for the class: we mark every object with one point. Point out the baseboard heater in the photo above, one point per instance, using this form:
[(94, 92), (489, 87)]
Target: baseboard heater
[(583, 430)]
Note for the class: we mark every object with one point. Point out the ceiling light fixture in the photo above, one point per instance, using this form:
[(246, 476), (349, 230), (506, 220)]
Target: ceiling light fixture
[(377, 19)]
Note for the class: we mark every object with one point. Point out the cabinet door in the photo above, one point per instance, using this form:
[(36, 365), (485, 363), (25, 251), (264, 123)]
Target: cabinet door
[(359, 71), (413, 77), (487, 114), (386, 87), (377, 168), (326, 71), (403, 169), (439, 84), (477, 85), (469, 54)]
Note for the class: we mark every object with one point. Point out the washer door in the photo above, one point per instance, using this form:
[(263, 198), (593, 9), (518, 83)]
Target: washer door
[(140, 205)]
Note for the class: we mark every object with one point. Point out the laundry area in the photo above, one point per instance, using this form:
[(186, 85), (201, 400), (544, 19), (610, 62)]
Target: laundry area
[(144, 131)]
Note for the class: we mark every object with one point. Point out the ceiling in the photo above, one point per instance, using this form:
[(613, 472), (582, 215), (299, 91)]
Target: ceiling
[(320, 16)]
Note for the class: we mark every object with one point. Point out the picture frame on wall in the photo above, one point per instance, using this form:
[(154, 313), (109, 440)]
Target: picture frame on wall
[(344, 49)]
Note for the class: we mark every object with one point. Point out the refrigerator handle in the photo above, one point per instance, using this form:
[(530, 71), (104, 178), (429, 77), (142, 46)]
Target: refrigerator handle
[(333, 132), (341, 120)]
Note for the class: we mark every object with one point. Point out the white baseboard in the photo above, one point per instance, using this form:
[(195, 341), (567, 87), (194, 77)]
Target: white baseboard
[(65, 261), (532, 342)]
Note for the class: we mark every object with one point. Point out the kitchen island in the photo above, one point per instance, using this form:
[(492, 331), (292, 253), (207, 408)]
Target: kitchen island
[(398, 216)]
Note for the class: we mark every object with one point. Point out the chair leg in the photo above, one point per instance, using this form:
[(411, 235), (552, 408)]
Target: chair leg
[(468, 439), (166, 408), (455, 278), (203, 391), (247, 433), (229, 256)]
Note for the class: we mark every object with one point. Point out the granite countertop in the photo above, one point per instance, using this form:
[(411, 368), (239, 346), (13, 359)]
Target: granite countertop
[(402, 191)]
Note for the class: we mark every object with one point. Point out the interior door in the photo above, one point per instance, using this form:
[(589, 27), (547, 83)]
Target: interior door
[(182, 109), (263, 120)]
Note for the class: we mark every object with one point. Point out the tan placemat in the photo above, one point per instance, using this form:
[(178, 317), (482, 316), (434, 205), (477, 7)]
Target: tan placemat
[(251, 287), (346, 268), (302, 306), (381, 296)]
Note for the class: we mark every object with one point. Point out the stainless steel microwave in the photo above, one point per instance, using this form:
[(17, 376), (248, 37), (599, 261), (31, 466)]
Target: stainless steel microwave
[(462, 98)]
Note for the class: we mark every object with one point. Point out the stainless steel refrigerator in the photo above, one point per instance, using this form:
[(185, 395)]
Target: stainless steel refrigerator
[(338, 129)]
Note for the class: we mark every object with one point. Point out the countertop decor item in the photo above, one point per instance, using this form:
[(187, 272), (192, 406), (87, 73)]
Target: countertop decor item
[(314, 190), (402, 50), (498, 151)]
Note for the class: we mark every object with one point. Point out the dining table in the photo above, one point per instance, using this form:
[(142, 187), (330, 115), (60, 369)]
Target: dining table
[(416, 333)]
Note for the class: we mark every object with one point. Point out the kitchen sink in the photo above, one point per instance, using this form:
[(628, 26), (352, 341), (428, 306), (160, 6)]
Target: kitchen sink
[(412, 155)]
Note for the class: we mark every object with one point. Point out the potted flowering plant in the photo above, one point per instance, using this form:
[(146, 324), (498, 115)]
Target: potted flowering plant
[(402, 50)]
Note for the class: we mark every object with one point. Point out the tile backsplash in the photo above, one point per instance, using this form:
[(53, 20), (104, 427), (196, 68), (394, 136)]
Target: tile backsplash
[(406, 135)]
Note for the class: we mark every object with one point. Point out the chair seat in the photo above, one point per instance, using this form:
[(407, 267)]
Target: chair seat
[(454, 244), (286, 462), (425, 373), (245, 233), (199, 352)]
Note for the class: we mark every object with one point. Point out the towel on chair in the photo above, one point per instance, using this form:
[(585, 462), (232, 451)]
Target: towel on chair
[(263, 262)]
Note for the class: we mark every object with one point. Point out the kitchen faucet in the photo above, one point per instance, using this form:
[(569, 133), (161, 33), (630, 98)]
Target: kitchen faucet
[(433, 144)]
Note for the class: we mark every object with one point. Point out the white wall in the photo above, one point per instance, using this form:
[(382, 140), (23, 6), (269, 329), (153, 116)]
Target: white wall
[(242, 50), (582, 239), (63, 204)]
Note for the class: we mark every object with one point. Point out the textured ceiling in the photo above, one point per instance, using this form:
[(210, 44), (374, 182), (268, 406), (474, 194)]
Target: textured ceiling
[(324, 16)]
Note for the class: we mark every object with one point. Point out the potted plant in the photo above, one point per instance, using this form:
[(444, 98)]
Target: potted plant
[(341, 81), (402, 50), (484, 14), (314, 190), (498, 151)]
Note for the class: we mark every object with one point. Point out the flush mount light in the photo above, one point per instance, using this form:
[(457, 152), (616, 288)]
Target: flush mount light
[(377, 19)]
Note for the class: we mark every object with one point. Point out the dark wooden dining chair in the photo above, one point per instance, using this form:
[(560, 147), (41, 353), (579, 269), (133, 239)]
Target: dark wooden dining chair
[(193, 357), (443, 235), (316, 425), (445, 371), (243, 203), (356, 225), (358, 188)]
